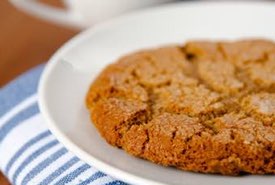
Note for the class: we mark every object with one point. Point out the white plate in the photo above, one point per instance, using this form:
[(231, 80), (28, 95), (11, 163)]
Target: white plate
[(69, 73)]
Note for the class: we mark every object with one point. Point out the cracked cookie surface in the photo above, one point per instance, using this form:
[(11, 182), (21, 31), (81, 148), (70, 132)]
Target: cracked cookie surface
[(204, 106)]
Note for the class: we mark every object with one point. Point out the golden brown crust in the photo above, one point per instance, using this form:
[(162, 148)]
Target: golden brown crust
[(206, 106)]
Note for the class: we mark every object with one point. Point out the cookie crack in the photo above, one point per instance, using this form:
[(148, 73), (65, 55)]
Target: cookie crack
[(139, 118), (143, 148), (221, 50)]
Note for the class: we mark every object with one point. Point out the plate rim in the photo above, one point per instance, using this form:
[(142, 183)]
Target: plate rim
[(52, 62)]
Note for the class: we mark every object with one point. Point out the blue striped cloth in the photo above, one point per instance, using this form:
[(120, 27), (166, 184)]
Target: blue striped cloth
[(29, 153)]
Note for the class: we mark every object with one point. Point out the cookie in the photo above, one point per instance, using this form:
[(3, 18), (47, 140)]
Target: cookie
[(204, 106)]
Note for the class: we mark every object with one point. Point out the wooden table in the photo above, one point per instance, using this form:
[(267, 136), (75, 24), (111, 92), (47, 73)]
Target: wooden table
[(25, 42)]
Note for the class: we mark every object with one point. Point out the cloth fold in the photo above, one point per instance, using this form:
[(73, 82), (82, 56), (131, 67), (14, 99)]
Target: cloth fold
[(29, 153)]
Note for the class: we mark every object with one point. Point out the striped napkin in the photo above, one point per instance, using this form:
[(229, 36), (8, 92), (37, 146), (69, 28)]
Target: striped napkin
[(29, 153)]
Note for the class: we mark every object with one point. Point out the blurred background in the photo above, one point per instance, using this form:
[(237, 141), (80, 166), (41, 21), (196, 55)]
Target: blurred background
[(31, 30), (26, 41)]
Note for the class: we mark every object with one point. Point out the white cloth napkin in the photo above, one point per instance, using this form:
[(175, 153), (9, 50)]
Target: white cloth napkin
[(29, 153)]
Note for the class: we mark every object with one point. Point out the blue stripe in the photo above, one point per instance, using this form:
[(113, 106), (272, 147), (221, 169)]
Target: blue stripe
[(59, 171), (71, 176), (19, 89), (44, 164), (93, 178), (33, 156), (116, 183), (24, 148), (17, 120)]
